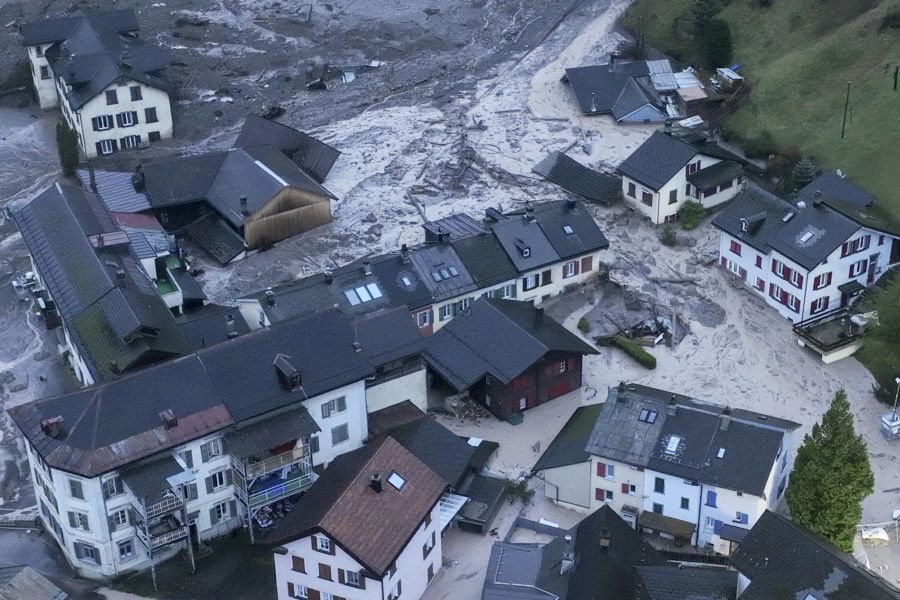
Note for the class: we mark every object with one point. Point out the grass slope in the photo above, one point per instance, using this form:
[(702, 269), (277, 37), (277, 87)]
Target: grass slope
[(799, 55)]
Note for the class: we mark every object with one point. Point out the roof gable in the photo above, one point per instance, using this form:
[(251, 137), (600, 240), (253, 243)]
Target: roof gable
[(316, 158), (657, 160)]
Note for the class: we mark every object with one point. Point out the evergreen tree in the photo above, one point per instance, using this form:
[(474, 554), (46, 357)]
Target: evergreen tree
[(702, 13), (804, 172), (67, 144), (716, 43), (831, 477)]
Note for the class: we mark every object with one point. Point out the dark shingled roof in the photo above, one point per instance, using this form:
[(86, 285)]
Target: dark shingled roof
[(115, 189), (214, 235), (208, 325), (715, 174), (445, 453), (433, 262), (554, 217), (313, 156), (567, 448), (91, 51), (388, 335), (657, 160), (457, 226), (21, 582), (574, 177), (207, 391), (485, 259), (783, 561), (522, 571), (683, 582), (501, 338), (612, 88), (751, 440), (372, 527), (850, 200), (767, 229)]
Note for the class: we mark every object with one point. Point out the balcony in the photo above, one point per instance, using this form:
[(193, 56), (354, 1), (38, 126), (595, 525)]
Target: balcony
[(269, 489), (255, 468), (165, 532), (171, 503), (834, 335)]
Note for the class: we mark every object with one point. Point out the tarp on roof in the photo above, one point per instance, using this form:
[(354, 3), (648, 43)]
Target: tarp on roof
[(262, 436), (574, 177)]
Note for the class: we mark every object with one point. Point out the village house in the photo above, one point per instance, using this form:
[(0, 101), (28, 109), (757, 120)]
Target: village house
[(507, 355), (110, 85), (781, 559), (636, 91), (669, 169), (809, 257), (208, 441), (108, 282), (368, 529), (232, 202), (669, 464), (601, 557)]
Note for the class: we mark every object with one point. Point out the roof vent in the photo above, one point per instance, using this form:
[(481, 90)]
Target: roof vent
[(529, 212), (801, 204), (672, 408), (168, 418), (52, 427), (329, 275), (404, 254), (288, 374), (568, 557), (229, 326), (244, 210), (270, 297), (120, 277), (745, 225), (375, 482), (725, 421), (817, 200), (367, 266), (523, 248)]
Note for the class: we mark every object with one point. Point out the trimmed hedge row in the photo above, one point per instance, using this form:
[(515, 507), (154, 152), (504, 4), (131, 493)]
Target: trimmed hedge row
[(631, 348)]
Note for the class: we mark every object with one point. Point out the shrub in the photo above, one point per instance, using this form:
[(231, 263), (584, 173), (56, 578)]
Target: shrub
[(67, 145), (518, 490), (583, 325), (691, 214), (635, 351), (761, 146), (716, 44), (667, 236)]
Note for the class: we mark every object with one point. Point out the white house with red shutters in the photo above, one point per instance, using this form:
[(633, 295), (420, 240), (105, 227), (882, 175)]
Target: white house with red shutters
[(808, 257), (668, 169)]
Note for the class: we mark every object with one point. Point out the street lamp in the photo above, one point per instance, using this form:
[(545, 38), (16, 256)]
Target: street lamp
[(890, 423), (897, 393)]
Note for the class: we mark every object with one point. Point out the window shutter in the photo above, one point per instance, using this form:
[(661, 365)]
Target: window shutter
[(800, 281), (587, 263), (134, 117), (759, 261), (775, 266), (601, 470), (576, 266), (624, 488), (232, 509), (188, 457), (598, 494), (341, 404), (787, 273), (119, 119), (570, 364), (212, 516), (784, 297), (812, 306), (110, 523), (717, 526), (99, 148), (828, 279), (724, 262), (298, 564), (228, 477), (850, 271), (362, 582), (341, 577), (312, 540), (73, 523), (314, 594), (209, 485), (326, 410), (95, 124), (825, 304), (204, 452), (290, 590), (743, 272), (314, 444), (78, 550)]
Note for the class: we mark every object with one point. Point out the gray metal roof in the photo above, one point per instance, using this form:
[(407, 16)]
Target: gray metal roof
[(558, 219), (457, 226), (316, 158), (657, 160), (574, 177), (525, 243), (598, 89), (518, 571), (275, 430), (208, 325), (831, 186), (149, 481), (116, 190), (444, 452), (24, 583)]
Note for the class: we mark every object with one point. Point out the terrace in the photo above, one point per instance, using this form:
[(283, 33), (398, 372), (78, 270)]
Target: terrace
[(834, 335)]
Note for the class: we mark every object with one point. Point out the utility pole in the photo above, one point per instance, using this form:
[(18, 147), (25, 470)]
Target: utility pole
[(846, 108)]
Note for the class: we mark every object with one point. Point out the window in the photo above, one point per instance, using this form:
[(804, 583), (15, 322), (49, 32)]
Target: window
[(659, 486), (396, 480), (759, 262), (631, 190), (150, 115), (610, 471), (724, 186), (818, 305), (445, 312), (296, 590), (523, 403), (101, 123), (111, 97), (353, 578), (79, 520), (210, 450), (530, 282), (119, 519), (423, 318), (136, 93), (106, 147), (363, 293), (672, 444), (822, 280), (797, 279), (220, 511), (687, 190), (742, 518), (629, 488), (87, 553), (648, 416), (218, 479), (735, 248), (859, 267), (685, 504), (126, 119), (709, 192), (711, 498), (126, 549), (298, 564), (75, 489), (335, 406), (673, 196), (428, 546), (546, 278), (38, 50), (657, 508), (131, 141), (760, 284), (561, 367), (340, 434), (570, 269), (45, 72), (190, 492), (188, 457), (323, 544), (153, 136), (693, 167), (647, 198)]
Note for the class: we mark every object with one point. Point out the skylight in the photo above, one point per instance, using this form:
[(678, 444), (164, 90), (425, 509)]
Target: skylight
[(806, 237), (453, 271), (788, 217), (720, 453), (647, 416), (363, 293), (396, 480), (568, 229), (406, 281), (672, 445), (373, 289)]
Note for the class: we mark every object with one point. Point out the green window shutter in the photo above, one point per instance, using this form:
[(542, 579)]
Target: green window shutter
[(228, 477), (209, 485), (232, 509), (73, 522), (204, 452), (212, 516)]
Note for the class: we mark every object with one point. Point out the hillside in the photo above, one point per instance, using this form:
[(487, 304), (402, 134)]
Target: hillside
[(798, 56)]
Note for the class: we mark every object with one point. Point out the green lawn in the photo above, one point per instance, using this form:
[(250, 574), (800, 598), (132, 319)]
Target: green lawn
[(798, 55)]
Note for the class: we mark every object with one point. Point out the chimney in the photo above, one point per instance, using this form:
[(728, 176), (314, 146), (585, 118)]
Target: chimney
[(270, 297), (817, 201), (93, 179), (375, 482), (571, 204), (538, 317), (568, 558), (168, 418), (745, 225), (137, 180), (593, 102), (604, 540), (612, 61), (329, 276), (529, 212), (99, 240), (672, 408), (726, 418), (367, 266), (229, 326), (120, 277), (244, 210), (52, 427), (404, 254)]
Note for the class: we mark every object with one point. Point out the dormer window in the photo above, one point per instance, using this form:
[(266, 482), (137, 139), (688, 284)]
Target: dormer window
[(567, 229), (526, 252), (745, 225), (288, 374)]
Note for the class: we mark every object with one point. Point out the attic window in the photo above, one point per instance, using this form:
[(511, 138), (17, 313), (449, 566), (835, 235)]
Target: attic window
[(788, 217), (647, 416), (441, 272), (406, 281), (672, 445), (568, 229), (806, 237), (720, 453), (363, 293), (396, 480)]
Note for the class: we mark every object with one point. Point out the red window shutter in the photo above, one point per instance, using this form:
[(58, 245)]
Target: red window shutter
[(786, 274), (828, 279), (800, 281), (587, 263), (570, 364), (624, 488), (825, 304), (850, 271), (724, 262), (845, 249), (601, 470), (598, 494), (784, 297), (812, 306), (774, 266), (759, 262)]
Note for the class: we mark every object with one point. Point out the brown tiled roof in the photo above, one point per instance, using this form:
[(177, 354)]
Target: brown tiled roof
[(670, 525), (372, 527)]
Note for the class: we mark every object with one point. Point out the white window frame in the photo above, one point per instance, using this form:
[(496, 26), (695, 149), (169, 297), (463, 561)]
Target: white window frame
[(523, 403), (301, 591), (353, 578), (733, 267), (126, 555), (332, 407), (127, 118), (82, 522), (106, 147), (818, 305), (104, 122), (858, 268), (779, 268), (131, 141), (39, 50), (80, 485), (569, 269), (120, 518), (216, 476), (527, 284), (508, 291), (610, 472), (445, 312), (323, 544), (795, 277), (423, 318), (221, 511), (215, 448)]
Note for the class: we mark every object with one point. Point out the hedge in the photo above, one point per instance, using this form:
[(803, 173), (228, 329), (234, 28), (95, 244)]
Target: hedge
[(635, 351)]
